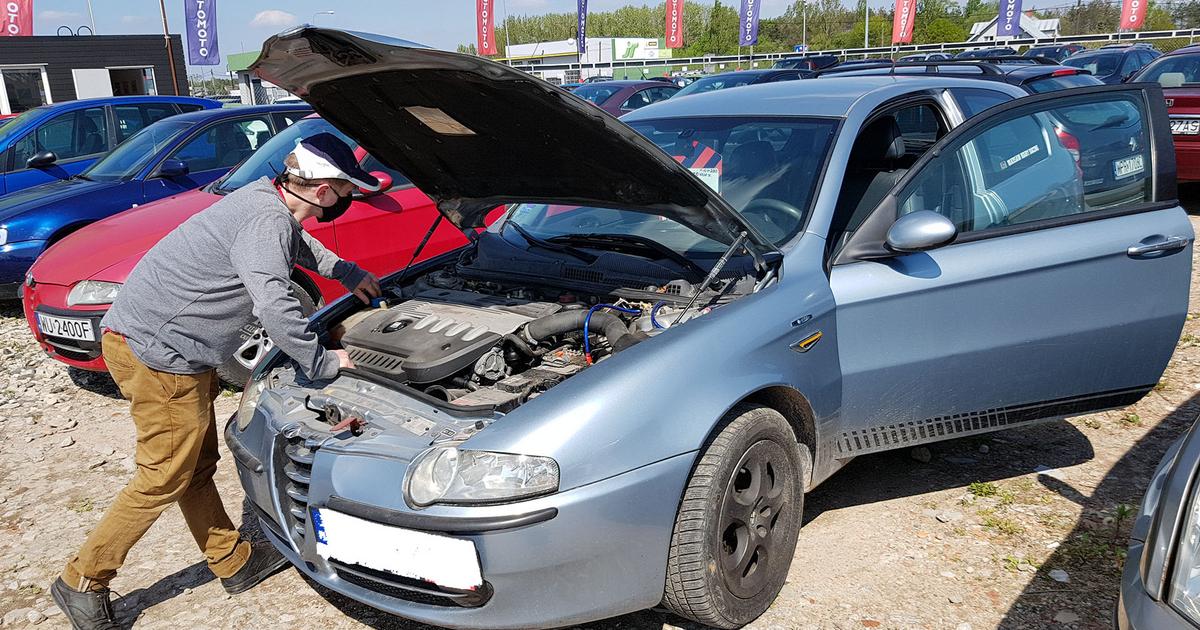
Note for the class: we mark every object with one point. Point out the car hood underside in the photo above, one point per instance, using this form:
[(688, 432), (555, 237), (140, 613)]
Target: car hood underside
[(474, 134)]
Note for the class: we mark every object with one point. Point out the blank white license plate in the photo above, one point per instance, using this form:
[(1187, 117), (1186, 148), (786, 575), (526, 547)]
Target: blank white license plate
[(1128, 166), (1185, 127), (66, 327), (445, 561)]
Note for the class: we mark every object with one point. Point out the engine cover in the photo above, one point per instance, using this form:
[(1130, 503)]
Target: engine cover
[(426, 340)]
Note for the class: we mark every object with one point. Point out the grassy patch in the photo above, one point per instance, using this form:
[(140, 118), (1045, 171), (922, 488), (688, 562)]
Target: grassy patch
[(80, 506), (1091, 422), (1001, 524), (30, 591), (1131, 419), (983, 489)]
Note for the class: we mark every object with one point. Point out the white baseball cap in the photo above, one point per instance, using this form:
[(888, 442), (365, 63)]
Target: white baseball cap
[(325, 156)]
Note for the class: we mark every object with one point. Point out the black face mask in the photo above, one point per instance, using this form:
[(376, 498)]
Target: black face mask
[(328, 213)]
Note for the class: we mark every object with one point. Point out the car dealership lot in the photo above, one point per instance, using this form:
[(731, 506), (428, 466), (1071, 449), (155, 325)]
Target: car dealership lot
[(971, 536)]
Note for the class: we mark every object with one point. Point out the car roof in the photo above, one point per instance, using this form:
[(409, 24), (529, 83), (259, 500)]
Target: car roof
[(833, 96), (1190, 49), (205, 115)]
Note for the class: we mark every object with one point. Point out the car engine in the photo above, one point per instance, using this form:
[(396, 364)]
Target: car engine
[(476, 345)]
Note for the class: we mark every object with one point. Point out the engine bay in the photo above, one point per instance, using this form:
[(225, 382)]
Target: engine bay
[(475, 344)]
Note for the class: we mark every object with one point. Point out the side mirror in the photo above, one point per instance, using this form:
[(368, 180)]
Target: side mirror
[(42, 160), (173, 168), (385, 184), (920, 231)]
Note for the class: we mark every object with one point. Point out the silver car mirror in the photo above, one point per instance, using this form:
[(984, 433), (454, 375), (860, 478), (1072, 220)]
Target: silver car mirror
[(920, 231)]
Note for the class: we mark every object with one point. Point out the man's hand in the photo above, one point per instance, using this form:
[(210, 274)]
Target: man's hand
[(368, 288), (344, 361)]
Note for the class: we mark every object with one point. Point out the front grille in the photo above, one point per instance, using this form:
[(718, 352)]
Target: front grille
[(408, 589), (293, 474), (71, 349)]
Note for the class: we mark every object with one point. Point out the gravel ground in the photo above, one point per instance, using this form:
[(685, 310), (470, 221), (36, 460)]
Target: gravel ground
[(1021, 529)]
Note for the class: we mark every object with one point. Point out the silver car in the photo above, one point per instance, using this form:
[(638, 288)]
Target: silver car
[(617, 395)]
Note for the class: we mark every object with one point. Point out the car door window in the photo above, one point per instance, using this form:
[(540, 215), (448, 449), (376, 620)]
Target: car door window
[(130, 120), (224, 144), (154, 112), (971, 101), (1052, 162), (70, 135), (190, 107), (287, 119), (637, 101), (1132, 62)]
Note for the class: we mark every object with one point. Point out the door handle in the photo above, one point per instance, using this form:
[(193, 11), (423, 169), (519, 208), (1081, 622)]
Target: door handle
[(1159, 244)]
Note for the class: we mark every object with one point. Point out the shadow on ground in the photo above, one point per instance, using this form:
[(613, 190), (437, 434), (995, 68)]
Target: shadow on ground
[(1094, 541)]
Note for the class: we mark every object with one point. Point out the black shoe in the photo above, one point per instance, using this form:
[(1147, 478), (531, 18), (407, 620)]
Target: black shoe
[(87, 610), (264, 562)]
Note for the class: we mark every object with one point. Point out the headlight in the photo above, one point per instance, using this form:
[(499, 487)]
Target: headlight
[(1185, 581), (93, 292), (250, 396), (3, 235), (447, 474)]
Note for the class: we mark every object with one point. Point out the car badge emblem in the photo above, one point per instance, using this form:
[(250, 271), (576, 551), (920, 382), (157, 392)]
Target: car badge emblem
[(1133, 144), (1170, 102)]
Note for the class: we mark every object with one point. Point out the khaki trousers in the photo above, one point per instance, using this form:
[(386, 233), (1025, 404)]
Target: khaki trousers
[(176, 458)]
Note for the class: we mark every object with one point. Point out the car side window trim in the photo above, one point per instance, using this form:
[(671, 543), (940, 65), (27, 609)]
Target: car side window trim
[(871, 234)]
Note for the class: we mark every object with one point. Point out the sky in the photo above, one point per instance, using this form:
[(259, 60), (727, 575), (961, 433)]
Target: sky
[(244, 24)]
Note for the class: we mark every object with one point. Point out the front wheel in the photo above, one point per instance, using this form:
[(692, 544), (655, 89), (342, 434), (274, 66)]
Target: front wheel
[(736, 530)]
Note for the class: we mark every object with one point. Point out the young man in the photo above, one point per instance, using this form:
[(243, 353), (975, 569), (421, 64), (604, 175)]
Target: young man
[(177, 317)]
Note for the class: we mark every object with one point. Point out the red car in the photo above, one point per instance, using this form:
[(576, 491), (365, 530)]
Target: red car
[(622, 97), (1179, 74), (70, 287)]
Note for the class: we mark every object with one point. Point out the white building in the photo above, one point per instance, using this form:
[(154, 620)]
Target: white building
[(600, 50), (1030, 27)]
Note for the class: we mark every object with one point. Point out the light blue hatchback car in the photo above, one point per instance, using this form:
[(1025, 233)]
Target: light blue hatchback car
[(617, 395)]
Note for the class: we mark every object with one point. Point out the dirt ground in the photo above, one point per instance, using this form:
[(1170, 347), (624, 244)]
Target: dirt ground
[(968, 534)]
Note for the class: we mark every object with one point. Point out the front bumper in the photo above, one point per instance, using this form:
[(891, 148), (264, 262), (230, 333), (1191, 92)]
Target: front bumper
[(51, 299), (1136, 610), (575, 556), (1187, 161)]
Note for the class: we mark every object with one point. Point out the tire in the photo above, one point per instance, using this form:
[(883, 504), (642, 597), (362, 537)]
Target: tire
[(734, 538), (255, 344)]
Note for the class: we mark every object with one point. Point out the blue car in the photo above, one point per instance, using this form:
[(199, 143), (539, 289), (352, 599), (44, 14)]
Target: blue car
[(168, 157), (1114, 63), (618, 394), (54, 142)]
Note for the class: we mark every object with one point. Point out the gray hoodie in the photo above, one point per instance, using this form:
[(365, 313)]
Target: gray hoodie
[(185, 303)]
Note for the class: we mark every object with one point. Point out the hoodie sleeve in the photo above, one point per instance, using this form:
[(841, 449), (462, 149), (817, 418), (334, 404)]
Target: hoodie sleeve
[(315, 256), (261, 256)]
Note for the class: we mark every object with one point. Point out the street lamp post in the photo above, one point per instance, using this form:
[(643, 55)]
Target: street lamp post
[(91, 16), (314, 21)]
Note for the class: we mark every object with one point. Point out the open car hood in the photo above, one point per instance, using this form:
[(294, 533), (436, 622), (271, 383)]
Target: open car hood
[(474, 134)]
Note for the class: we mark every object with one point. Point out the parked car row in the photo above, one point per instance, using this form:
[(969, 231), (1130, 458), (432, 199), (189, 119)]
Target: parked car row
[(551, 396)]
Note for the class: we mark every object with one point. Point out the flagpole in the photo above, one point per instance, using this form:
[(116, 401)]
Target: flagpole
[(167, 38), (91, 16)]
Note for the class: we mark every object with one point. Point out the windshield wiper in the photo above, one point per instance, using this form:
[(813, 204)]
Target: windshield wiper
[(544, 244), (1113, 121), (621, 243), (83, 177)]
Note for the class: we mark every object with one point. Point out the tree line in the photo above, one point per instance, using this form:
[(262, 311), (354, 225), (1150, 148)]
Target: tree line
[(711, 29)]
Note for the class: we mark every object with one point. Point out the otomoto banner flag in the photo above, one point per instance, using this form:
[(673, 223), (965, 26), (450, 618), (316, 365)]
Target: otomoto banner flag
[(581, 39), (485, 30), (1008, 23), (202, 32), (902, 23), (1133, 14), (674, 24), (748, 27), (16, 18)]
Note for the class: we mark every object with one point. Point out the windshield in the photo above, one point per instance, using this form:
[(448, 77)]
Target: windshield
[(267, 161), (1049, 83), (1101, 65), (596, 92), (135, 153), (766, 169), (719, 82), (15, 121), (1173, 71)]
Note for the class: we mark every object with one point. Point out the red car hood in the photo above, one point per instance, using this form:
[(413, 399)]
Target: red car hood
[(109, 249)]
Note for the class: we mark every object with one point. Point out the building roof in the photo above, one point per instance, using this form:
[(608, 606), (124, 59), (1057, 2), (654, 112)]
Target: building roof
[(1030, 27), (239, 62)]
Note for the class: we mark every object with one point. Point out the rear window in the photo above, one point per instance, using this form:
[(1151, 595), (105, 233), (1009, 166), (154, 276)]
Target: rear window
[(1050, 83), (596, 92), (1102, 65), (716, 83), (1173, 71)]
